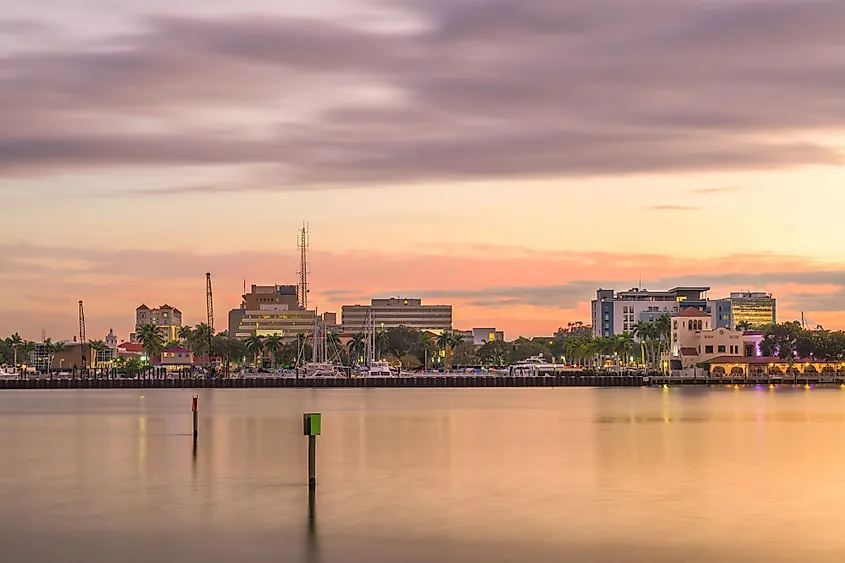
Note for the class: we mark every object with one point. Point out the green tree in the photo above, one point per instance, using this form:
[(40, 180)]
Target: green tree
[(198, 340), (151, 338), (133, 366), (523, 348), (186, 335), (743, 325), (426, 348), (401, 341), (273, 345), (356, 347), (625, 344), (410, 362), (15, 342), (100, 348), (646, 332), (494, 353), (254, 345), (463, 355), (382, 344)]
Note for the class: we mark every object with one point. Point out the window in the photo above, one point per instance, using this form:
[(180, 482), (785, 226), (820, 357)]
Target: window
[(708, 349), (721, 349), (625, 326), (675, 325)]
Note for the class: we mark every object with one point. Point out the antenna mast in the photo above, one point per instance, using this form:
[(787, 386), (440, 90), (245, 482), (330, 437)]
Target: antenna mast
[(82, 333), (302, 244), (209, 305)]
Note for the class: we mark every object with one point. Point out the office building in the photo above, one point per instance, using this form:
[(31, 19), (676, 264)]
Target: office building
[(755, 309), (395, 312), (167, 318), (269, 310), (481, 336), (614, 313)]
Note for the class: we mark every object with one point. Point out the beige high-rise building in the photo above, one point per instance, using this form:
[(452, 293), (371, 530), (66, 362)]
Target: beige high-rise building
[(396, 312), (167, 318), (271, 310)]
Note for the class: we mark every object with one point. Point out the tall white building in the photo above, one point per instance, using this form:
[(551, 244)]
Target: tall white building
[(614, 313), (395, 312)]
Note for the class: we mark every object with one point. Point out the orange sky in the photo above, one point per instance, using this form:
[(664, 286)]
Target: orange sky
[(435, 149)]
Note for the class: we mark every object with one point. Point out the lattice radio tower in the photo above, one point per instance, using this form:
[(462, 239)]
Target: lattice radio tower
[(302, 244), (82, 334), (209, 305)]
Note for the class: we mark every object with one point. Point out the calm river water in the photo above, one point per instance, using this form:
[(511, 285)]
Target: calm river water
[(424, 476)]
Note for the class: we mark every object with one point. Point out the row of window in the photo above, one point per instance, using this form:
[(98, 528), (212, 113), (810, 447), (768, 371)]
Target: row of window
[(721, 349)]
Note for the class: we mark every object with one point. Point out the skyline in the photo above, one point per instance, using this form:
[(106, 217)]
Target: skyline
[(507, 158)]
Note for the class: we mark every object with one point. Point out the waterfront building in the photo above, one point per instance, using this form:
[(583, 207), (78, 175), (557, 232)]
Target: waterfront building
[(481, 336), (395, 312), (175, 357), (129, 350), (695, 340), (269, 310), (70, 357), (614, 313), (754, 308), (167, 318)]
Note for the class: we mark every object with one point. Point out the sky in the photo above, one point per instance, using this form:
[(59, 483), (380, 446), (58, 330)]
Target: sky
[(507, 157)]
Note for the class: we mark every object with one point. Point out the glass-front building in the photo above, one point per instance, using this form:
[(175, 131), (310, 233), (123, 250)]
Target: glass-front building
[(754, 308)]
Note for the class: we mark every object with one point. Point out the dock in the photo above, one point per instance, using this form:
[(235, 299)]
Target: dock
[(584, 379)]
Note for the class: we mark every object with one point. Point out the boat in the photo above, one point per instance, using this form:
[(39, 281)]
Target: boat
[(379, 369), (534, 365), (321, 369)]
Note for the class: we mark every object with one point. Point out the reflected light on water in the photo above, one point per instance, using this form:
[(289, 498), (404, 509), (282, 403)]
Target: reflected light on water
[(422, 476)]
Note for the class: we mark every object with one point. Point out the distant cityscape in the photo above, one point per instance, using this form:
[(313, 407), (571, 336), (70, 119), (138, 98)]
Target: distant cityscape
[(276, 312)]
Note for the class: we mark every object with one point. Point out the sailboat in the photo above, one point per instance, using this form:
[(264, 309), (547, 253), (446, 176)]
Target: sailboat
[(373, 367), (320, 366)]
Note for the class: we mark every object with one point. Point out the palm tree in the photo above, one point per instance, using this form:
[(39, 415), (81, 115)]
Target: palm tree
[(663, 333), (199, 340), (186, 335), (99, 347), (52, 349), (625, 345), (645, 331), (151, 338), (273, 346), (382, 343), (254, 345), (15, 342), (428, 346), (743, 325), (356, 346), (444, 341)]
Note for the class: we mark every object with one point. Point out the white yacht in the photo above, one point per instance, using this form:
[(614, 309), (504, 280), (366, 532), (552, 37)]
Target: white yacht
[(321, 369), (378, 369), (533, 366)]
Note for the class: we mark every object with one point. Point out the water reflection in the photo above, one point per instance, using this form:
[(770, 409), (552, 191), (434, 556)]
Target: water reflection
[(424, 475)]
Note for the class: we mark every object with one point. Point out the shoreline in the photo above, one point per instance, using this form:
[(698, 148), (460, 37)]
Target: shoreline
[(416, 382)]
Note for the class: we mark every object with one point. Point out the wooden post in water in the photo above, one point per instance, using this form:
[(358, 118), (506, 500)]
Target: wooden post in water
[(312, 426), (195, 410)]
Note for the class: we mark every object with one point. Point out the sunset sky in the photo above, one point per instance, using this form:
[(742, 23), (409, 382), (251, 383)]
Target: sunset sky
[(505, 156)]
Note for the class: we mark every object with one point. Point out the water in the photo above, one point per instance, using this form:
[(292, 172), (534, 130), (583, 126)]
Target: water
[(426, 475)]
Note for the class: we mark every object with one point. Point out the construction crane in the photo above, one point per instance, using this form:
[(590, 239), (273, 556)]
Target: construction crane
[(82, 334), (303, 266), (209, 304)]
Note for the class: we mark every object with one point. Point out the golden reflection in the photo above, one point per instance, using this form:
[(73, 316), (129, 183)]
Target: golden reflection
[(142, 445)]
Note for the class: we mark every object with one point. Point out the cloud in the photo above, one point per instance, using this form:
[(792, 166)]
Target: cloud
[(527, 293), (475, 90), (717, 190), (673, 207)]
